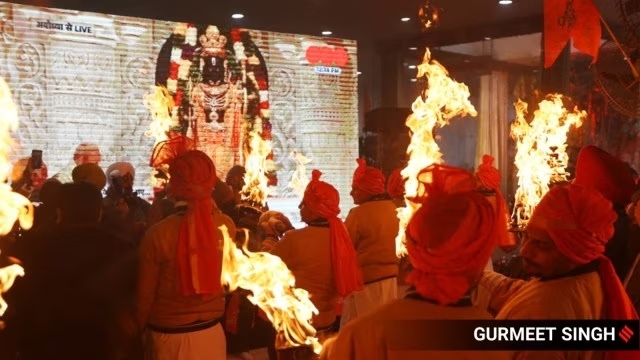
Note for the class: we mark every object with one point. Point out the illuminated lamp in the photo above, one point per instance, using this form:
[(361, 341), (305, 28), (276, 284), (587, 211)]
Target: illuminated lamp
[(429, 15)]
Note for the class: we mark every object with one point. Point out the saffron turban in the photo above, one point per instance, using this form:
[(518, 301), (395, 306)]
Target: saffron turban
[(395, 184), (452, 235), (89, 173), (580, 221), (199, 258), (323, 199), (368, 179), (489, 178), (607, 174), (167, 150)]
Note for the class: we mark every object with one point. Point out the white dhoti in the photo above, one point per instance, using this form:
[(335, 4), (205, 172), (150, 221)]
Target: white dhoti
[(207, 344), (370, 298)]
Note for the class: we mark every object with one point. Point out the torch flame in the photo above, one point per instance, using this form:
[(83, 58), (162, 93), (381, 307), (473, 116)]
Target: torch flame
[(441, 101), (256, 183), (161, 105), (541, 151), (273, 290), (13, 206), (299, 179)]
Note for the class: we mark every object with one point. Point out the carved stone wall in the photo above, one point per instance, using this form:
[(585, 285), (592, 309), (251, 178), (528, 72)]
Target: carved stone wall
[(75, 87)]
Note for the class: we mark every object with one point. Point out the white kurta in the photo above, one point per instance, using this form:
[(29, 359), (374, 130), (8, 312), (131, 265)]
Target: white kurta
[(372, 297), (364, 338), (571, 298), (205, 344)]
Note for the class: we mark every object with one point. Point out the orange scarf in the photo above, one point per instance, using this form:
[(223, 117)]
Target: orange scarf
[(199, 258)]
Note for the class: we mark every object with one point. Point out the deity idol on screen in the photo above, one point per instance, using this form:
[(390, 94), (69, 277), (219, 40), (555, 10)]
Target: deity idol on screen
[(220, 87)]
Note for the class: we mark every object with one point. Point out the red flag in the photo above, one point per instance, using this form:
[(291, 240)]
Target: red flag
[(587, 34), (578, 20)]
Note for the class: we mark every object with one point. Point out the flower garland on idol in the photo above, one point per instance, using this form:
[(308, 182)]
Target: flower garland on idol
[(182, 53)]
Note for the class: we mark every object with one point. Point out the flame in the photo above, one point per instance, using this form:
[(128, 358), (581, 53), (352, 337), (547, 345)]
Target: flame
[(299, 179), (440, 102), (162, 107), (13, 206), (7, 276), (273, 290), (256, 184), (541, 151)]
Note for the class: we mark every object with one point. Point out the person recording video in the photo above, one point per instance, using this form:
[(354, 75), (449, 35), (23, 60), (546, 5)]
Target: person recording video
[(120, 195), (28, 175)]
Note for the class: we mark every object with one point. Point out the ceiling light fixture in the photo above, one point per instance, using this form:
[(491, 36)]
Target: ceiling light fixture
[(237, 16), (414, 80), (487, 38), (359, 73), (412, 66), (413, 48), (505, 2), (327, 32), (405, 19)]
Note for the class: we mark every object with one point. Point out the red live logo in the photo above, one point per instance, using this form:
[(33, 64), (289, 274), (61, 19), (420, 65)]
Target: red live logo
[(327, 55)]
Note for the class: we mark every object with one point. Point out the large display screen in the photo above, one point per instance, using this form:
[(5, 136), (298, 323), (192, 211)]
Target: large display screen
[(79, 80)]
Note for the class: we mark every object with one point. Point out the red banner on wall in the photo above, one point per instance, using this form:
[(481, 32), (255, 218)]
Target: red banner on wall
[(578, 20)]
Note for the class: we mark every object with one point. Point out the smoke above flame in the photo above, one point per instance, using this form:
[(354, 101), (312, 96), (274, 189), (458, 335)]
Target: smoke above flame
[(13, 206), (442, 100), (541, 151)]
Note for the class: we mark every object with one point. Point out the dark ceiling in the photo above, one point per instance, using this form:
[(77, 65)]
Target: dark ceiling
[(363, 20)]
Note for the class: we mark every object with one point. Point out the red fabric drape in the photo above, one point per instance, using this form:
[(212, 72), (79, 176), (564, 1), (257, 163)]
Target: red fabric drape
[(578, 20), (323, 200), (199, 259)]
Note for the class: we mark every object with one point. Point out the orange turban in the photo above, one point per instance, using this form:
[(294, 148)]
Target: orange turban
[(580, 221), (451, 237), (167, 150), (199, 259), (489, 178), (395, 184), (368, 179), (324, 200), (604, 172)]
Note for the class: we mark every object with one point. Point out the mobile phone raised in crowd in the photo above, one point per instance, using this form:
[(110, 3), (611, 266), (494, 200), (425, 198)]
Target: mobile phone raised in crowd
[(36, 159)]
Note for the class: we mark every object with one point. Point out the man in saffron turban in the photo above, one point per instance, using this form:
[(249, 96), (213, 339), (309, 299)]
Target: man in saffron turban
[(564, 251), (321, 256), (395, 187), (611, 177), (373, 227), (180, 299), (449, 241)]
